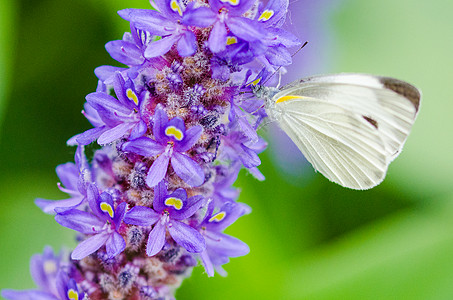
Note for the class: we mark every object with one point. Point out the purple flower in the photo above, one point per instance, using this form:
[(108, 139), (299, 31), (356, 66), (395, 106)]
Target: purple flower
[(172, 140), (192, 60), (166, 22), (169, 210), (114, 118), (229, 60), (225, 14), (223, 185), (129, 50), (50, 275), (103, 224), (74, 178), (273, 48), (219, 246)]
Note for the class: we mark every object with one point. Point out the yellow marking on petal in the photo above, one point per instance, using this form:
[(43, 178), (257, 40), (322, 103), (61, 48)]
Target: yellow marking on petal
[(175, 202), (232, 2), (175, 132), (176, 7), (286, 98), (105, 207), (231, 40), (218, 217), (132, 96), (255, 82), (73, 295), (266, 15), (50, 267)]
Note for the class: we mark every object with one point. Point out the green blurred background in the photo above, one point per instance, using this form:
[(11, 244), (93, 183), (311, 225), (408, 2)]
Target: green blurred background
[(309, 239)]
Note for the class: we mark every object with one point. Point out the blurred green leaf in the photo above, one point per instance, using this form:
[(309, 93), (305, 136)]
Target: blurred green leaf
[(405, 256), (7, 46), (109, 8), (24, 228)]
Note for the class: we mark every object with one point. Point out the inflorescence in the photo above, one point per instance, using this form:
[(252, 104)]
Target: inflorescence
[(175, 127)]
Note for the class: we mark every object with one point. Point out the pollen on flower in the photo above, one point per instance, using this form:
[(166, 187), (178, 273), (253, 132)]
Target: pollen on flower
[(121, 168), (135, 238)]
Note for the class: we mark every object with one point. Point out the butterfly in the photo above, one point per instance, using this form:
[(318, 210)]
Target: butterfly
[(348, 126)]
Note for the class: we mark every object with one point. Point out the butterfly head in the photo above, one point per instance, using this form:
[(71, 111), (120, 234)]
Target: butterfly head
[(265, 93)]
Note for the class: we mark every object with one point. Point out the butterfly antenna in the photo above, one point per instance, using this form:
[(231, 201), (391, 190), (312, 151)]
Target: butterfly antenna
[(278, 69), (301, 47)]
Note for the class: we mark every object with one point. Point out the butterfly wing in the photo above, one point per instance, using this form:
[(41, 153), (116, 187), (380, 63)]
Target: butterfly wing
[(349, 126)]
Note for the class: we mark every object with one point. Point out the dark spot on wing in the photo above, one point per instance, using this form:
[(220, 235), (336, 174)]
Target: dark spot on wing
[(371, 121), (404, 89)]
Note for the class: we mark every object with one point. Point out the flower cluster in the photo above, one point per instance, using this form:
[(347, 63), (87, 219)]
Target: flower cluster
[(174, 129)]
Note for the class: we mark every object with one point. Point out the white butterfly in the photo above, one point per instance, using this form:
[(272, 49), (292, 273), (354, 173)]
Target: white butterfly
[(348, 126)]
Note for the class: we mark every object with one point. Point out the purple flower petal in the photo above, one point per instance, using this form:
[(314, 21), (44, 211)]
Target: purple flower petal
[(187, 44), (246, 29), (168, 10), (257, 173), (141, 216), (125, 52), (107, 107), (248, 157), (187, 169), (38, 273), (149, 20), (158, 169), (278, 56), (191, 206), (115, 133), (80, 221), (48, 206), (279, 36), (115, 244), (144, 146), (89, 246), (159, 124), (228, 213), (160, 194), (225, 245), (278, 9), (173, 208), (119, 87), (92, 198), (27, 295), (218, 37), (187, 237), (235, 8), (160, 47), (207, 263), (69, 175), (192, 135), (200, 17), (179, 124), (62, 284), (119, 214), (88, 136), (139, 130), (156, 238), (104, 73), (244, 125)]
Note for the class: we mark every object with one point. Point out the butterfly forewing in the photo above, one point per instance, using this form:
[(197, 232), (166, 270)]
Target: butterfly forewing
[(349, 126)]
